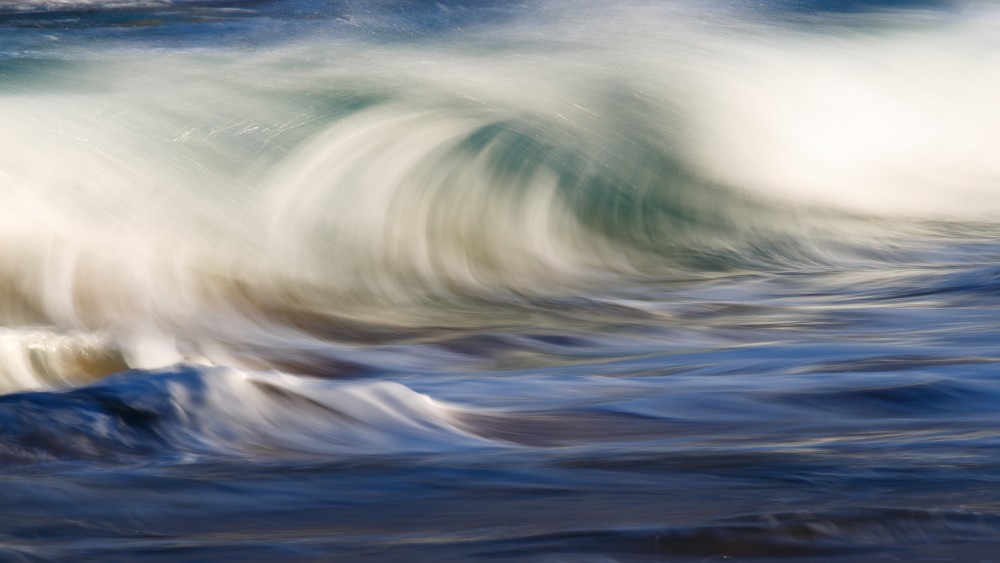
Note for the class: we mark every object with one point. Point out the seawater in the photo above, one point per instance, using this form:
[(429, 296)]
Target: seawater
[(543, 281)]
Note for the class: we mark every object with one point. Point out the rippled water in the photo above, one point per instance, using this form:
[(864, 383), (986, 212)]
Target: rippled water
[(556, 281)]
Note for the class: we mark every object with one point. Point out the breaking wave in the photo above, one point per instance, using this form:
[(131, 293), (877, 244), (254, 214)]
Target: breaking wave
[(215, 203)]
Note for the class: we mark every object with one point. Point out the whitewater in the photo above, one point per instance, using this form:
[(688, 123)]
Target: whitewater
[(655, 280)]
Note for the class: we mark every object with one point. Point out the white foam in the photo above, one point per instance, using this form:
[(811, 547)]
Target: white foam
[(256, 413), (897, 122), (36, 358)]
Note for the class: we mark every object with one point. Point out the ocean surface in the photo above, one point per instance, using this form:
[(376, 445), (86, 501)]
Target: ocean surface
[(540, 280)]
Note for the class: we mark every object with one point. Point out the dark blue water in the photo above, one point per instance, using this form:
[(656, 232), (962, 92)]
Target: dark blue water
[(502, 281)]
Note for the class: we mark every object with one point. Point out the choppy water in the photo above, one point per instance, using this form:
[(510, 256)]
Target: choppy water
[(548, 280)]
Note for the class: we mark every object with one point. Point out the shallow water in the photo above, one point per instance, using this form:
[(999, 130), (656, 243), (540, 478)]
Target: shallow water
[(557, 281)]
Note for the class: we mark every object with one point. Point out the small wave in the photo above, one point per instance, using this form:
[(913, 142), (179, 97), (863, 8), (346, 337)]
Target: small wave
[(906, 399), (220, 412), (965, 287)]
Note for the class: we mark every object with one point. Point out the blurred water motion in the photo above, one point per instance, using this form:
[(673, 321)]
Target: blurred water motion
[(397, 280)]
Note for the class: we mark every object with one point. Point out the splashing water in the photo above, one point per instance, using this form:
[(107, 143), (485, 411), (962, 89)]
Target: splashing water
[(518, 280)]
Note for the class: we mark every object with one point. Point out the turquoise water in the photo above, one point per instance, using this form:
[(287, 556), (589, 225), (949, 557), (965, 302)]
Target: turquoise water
[(556, 281)]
